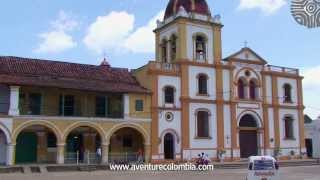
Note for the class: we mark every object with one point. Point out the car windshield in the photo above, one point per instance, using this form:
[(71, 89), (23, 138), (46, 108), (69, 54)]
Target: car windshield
[(263, 165)]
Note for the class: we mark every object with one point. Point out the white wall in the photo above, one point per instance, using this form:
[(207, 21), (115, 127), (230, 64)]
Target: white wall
[(167, 126), (166, 34), (268, 89), (254, 74), (194, 71), (293, 83), (271, 127), (312, 131), (289, 145), (208, 31), (169, 81), (226, 84), (203, 143)]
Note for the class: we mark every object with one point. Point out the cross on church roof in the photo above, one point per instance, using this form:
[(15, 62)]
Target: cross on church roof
[(245, 44)]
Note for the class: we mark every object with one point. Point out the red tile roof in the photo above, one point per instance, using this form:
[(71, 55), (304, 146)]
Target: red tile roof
[(45, 73)]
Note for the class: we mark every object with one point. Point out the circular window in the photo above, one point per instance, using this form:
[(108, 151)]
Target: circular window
[(169, 116), (247, 73)]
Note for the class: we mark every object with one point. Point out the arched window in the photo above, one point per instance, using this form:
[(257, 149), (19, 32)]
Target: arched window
[(173, 47), (164, 51), (202, 124), (287, 93), (202, 84), (241, 89), (169, 95), (253, 90), (248, 121), (200, 48), (288, 125)]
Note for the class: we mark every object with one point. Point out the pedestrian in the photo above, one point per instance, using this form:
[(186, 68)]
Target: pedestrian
[(140, 156), (99, 154)]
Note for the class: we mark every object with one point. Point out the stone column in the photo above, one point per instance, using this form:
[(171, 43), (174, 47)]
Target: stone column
[(126, 105), (14, 101), (11, 148), (105, 153), (147, 153), (60, 153)]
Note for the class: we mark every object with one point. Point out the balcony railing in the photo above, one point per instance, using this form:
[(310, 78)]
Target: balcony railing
[(76, 111), (165, 67), (125, 158), (281, 69), (78, 158)]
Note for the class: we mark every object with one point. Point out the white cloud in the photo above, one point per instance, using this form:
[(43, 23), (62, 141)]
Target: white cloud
[(55, 42), (106, 33), (109, 32), (142, 40), (57, 39), (65, 22), (311, 86), (267, 6), (311, 78)]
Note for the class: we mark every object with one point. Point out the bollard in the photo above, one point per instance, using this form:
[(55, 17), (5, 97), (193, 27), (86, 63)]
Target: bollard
[(77, 156), (88, 156)]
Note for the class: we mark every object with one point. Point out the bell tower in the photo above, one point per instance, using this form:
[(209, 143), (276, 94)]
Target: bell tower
[(188, 43), (188, 32)]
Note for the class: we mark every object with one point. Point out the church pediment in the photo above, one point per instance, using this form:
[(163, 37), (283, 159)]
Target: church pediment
[(247, 55)]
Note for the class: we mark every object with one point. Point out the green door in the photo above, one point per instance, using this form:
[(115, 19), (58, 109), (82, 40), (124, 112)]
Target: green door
[(26, 149)]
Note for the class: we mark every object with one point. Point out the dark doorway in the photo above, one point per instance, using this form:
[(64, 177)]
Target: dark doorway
[(248, 144), (26, 149), (248, 136), (168, 146), (309, 147), (75, 145)]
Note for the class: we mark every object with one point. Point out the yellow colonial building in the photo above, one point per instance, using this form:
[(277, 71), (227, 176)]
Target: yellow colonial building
[(56, 112)]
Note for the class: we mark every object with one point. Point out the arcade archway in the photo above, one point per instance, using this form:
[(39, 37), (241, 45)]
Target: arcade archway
[(36, 144), (83, 145), (126, 145)]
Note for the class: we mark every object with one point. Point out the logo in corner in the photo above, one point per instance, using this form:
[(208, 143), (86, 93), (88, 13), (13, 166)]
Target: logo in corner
[(306, 12)]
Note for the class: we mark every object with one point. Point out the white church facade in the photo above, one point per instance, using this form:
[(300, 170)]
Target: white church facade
[(237, 106)]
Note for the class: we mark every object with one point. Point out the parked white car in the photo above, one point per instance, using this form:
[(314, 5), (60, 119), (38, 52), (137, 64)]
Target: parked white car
[(263, 168)]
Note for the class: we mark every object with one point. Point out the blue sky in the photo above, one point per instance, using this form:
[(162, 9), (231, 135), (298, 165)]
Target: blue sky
[(82, 31)]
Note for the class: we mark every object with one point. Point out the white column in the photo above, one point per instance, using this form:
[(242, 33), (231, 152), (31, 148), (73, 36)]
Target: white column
[(10, 154), (60, 153), (169, 60), (14, 101), (126, 103)]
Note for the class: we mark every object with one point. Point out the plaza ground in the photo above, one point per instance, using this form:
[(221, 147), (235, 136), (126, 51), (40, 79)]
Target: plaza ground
[(286, 173)]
